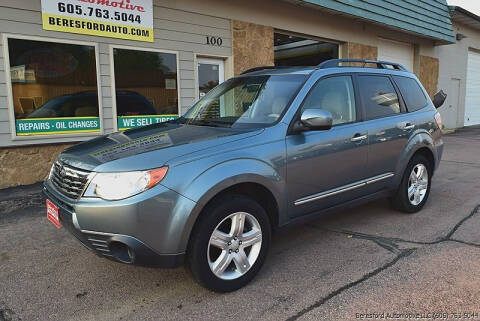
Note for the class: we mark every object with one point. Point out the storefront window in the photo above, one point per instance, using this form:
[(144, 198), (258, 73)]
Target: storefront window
[(54, 87), (146, 87)]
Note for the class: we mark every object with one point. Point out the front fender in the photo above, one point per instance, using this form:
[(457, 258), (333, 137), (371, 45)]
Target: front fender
[(227, 174), (422, 139)]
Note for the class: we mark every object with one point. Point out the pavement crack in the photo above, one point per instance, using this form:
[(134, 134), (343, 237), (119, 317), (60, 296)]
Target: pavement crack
[(456, 227), (389, 246), (391, 243), (367, 276), (464, 242)]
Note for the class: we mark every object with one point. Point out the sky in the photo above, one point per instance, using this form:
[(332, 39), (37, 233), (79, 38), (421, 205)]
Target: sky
[(470, 5)]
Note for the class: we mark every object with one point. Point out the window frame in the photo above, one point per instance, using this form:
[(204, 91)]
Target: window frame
[(112, 77), (395, 88), (10, 103), (403, 98), (358, 108)]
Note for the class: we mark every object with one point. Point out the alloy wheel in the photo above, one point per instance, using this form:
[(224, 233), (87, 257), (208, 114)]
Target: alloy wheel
[(417, 184), (234, 246)]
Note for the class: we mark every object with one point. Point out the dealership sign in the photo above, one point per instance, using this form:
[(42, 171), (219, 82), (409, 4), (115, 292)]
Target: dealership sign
[(127, 122), (124, 19), (51, 126)]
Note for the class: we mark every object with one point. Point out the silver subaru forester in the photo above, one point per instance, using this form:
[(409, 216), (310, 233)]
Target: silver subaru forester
[(268, 148)]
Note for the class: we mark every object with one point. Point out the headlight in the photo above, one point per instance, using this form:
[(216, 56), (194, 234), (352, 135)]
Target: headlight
[(117, 186)]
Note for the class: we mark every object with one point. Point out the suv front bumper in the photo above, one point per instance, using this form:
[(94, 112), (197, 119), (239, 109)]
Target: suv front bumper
[(148, 230)]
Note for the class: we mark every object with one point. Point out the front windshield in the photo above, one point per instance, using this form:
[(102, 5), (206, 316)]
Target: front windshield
[(255, 101)]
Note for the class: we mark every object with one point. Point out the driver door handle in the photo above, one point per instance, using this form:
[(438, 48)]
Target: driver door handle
[(358, 138)]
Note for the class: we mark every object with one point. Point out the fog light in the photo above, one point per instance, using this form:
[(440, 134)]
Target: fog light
[(122, 252)]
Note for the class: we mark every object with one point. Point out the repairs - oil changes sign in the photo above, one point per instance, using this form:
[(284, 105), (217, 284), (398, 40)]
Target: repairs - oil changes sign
[(124, 19)]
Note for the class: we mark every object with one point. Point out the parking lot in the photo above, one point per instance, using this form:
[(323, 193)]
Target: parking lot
[(364, 260)]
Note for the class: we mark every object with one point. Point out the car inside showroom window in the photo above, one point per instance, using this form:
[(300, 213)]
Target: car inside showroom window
[(146, 84), (54, 87)]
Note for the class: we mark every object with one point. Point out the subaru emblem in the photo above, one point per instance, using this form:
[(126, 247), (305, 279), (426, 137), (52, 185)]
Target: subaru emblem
[(63, 173)]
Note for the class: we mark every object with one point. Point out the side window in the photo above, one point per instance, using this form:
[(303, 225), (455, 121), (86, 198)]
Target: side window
[(411, 92), (336, 95), (379, 97)]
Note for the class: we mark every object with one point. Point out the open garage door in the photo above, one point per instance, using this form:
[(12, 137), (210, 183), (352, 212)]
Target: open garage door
[(472, 98), (395, 51), (292, 50)]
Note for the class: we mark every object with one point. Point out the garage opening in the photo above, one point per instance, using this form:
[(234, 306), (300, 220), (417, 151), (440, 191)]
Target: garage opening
[(293, 50)]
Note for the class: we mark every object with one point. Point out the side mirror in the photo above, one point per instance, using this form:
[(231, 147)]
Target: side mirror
[(315, 119), (439, 99)]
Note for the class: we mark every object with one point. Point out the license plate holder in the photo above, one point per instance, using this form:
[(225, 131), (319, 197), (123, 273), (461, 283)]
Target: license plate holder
[(52, 214)]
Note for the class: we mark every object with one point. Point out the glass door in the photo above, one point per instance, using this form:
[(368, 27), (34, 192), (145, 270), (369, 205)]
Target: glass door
[(210, 73)]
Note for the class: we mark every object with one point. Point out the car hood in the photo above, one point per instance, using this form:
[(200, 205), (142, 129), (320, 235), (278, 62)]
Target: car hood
[(148, 147)]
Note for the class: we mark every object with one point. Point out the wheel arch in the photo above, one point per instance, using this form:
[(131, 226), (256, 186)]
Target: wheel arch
[(420, 144), (428, 154), (264, 185)]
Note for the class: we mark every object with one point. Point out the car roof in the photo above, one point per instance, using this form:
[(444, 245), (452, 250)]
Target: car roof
[(310, 70)]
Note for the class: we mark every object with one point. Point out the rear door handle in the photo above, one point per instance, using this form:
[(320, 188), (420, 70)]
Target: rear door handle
[(358, 138), (408, 126)]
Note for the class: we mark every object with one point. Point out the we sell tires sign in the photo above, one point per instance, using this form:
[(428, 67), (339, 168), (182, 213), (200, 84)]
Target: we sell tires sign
[(124, 19)]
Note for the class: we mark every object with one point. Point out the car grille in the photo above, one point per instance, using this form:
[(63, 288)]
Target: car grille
[(69, 181)]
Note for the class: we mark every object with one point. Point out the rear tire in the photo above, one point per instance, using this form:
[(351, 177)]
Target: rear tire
[(414, 189), (229, 243)]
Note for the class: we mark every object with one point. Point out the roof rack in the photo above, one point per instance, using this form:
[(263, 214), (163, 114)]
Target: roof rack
[(258, 69), (334, 63), (267, 68)]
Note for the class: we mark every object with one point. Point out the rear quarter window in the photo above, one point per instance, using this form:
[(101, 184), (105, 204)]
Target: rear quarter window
[(412, 93), (379, 96)]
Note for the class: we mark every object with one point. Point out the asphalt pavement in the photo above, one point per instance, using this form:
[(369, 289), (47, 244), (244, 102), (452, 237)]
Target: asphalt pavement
[(360, 263)]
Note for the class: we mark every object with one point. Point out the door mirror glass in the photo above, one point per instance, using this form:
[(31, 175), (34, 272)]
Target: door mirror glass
[(316, 119), (439, 99)]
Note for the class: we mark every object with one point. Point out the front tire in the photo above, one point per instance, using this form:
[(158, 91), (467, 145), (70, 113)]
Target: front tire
[(414, 189), (229, 243)]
